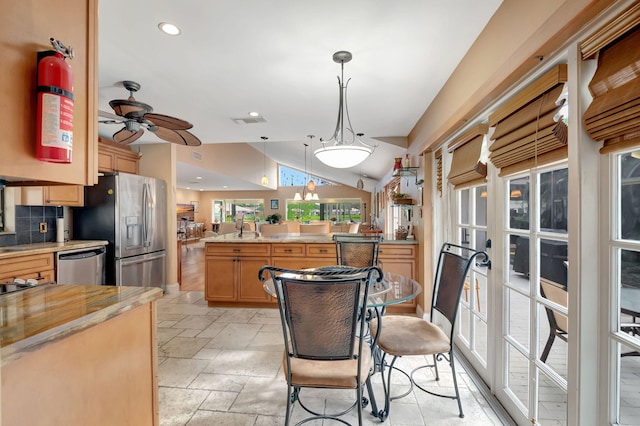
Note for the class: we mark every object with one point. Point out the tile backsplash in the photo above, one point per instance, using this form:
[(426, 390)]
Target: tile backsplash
[(28, 219)]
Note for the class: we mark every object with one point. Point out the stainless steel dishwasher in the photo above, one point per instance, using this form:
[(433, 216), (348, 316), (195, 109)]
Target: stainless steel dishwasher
[(81, 266)]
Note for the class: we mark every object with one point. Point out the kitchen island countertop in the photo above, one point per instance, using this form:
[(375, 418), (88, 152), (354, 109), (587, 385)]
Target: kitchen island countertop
[(251, 237), (32, 318)]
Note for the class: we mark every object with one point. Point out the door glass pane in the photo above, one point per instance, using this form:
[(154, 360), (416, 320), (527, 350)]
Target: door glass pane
[(553, 200), (464, 236), (552, 349), (518, 326), (464, 206), (481, 205), (463, 320), (518, 375), (553, 261), (519, 259), (519, 203), (552, 402), (629, 385), (481, 337), (629, 197)]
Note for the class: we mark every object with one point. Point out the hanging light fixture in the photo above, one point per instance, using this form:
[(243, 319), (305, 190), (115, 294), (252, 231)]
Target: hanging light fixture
[(343, 151), (306, 194), (360, 183), (265, 180)]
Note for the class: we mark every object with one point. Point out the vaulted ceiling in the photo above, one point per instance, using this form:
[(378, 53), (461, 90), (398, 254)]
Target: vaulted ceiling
[(275, 58)]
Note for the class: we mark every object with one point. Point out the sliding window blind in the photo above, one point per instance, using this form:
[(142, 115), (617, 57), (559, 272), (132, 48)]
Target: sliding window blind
[(614, 114), (528, 130), (438, 157), (467, 169)]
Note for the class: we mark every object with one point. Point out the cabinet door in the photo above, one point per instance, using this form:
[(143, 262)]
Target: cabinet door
[(249, 286), (220, 279), (64, 195), (400, 260)]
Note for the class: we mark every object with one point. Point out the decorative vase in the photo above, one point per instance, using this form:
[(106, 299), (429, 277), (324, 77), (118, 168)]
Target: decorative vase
[(398, 164)]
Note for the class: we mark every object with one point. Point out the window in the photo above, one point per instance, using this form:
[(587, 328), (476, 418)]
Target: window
[(336, 210), (229, 210)]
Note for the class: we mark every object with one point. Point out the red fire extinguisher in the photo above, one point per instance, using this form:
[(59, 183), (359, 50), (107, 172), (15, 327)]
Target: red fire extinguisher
[(54, 128)]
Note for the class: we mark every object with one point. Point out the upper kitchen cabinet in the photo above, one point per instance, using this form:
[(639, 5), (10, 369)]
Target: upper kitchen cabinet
[(117, 158), (25, 29)]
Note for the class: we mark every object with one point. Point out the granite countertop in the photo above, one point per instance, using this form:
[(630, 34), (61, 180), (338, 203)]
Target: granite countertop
[(39, 248), (251, 237), (32, 318)]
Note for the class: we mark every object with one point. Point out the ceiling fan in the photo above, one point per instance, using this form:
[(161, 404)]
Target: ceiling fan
[(137, 116)]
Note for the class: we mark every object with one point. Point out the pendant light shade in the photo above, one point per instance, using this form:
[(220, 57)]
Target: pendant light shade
[(345, 148), (311, 185)]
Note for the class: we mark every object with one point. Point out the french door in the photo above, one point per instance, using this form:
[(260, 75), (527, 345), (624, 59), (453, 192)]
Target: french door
[(533, 371), (471, 326)]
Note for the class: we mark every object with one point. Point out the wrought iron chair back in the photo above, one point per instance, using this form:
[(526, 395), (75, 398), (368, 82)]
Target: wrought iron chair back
[(357, 251), (323, 313)]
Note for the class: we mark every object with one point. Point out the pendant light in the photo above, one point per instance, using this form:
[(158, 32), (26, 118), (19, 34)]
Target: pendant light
[(345, 148), (265, 180), (360, 183)]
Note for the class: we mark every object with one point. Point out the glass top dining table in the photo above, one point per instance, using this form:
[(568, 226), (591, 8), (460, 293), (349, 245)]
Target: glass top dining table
[(394, 288)]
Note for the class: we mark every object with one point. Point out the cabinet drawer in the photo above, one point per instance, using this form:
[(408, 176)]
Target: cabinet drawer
[(395, 251), (287, 249), (26, 265), (321, 250), (248, 249)]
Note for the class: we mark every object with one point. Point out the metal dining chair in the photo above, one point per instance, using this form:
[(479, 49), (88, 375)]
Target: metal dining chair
[(357, 251), (323, 314), (405, 335)]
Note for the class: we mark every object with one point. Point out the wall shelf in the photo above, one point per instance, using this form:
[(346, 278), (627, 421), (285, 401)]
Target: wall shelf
[(407, 172)]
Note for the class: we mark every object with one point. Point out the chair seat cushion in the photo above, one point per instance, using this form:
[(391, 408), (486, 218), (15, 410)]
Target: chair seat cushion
[(340, 374), (405, 335)]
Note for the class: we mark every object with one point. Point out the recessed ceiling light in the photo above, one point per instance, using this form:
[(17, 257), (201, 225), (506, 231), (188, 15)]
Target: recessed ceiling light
[(198, 177), (169, 28), (225, 187), (254, 114), (188, 187), (201, 189)]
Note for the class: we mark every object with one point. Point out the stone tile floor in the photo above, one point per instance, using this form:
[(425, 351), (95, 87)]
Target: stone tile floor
[(220, 366)]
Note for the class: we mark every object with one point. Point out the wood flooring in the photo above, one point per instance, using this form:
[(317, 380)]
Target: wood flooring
[(192, 267)]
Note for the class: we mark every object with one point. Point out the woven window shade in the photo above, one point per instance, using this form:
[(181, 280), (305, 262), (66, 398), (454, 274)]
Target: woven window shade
[(614, 113), (526, 132), (438, 157), (466, 167)]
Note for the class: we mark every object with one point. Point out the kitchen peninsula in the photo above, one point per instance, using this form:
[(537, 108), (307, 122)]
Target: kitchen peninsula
[(232, 263), (79, 355)]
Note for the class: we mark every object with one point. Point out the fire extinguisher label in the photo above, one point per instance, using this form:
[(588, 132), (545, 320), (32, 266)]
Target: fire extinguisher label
[(57, 121)]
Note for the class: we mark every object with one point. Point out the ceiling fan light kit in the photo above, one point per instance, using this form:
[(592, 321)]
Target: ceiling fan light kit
[(137, 116), (342, 151)]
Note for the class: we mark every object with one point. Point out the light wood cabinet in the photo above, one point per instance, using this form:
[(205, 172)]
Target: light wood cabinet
[(232, 273), (232, 269), (37, 266), (25, 29), (116, 158), (400, 259), (59, 195)]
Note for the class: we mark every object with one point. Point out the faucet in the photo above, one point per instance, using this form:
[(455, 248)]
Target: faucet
[(241, 224)]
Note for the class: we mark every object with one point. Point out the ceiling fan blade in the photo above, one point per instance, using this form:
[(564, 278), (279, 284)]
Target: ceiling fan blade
[(125, 137), (180, 137), (168, 122), (109, 115)]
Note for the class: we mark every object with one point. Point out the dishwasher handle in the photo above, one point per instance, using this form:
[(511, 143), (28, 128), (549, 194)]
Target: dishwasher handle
[(82, 254)]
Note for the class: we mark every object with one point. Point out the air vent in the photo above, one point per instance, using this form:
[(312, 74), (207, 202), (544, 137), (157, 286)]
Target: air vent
[(196, 155), (249, 120)]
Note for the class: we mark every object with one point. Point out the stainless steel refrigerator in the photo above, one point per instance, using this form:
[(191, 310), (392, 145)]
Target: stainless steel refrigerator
[(129, 211)]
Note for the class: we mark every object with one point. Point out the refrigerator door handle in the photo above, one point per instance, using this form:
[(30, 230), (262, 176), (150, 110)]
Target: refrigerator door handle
[(147, 214), (146, 258)]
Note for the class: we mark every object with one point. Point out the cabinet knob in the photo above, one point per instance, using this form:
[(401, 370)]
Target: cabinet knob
[(323, 250)]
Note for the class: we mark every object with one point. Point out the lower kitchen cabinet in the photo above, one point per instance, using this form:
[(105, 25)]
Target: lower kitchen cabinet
[(400, 259), (37, 266), (232, 268), (232, 273)]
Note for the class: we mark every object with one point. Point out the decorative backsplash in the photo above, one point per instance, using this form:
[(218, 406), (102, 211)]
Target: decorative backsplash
[(28, 219)]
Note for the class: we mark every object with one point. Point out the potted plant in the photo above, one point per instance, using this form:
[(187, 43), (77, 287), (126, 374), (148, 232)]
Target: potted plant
[(401, 198), (274, 218)]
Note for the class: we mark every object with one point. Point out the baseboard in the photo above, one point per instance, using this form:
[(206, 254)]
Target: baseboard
[(172, 288)]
